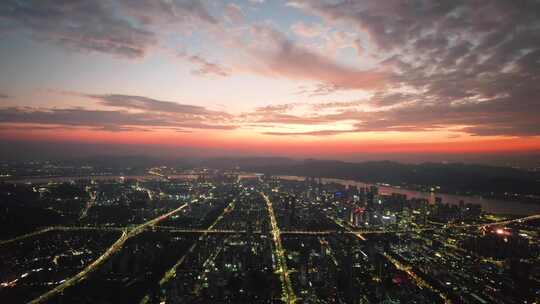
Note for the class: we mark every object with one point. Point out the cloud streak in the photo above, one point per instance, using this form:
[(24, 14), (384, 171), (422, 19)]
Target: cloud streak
[(150, 12), (152, 105), (311, 133), (205, 67)]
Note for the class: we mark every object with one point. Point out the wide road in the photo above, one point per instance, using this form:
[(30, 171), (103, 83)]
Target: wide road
[(288, 291), (518, 220), (27, 235), (126, 234), (171, 273), (91, 202), (357, 232)]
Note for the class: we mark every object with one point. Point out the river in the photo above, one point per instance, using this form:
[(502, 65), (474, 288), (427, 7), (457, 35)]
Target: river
[(489, 205)]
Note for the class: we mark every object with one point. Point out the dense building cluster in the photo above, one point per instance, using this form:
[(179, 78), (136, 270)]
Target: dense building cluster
[(211, 236)]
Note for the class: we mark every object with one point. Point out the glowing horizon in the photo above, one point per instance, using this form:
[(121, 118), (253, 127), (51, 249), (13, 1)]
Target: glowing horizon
[(292, 78)]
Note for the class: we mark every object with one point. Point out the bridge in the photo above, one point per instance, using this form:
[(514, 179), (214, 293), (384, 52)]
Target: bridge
[(126, 234)]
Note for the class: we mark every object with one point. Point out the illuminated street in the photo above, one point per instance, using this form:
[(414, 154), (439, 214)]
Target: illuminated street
[(279, 254)]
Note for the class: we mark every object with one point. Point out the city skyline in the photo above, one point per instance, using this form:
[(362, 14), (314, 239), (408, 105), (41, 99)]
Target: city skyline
[(349, 80), (270, 151), (173, 235)]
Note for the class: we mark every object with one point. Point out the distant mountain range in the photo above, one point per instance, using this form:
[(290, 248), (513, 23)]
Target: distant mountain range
[(459, 178), (451, 178)]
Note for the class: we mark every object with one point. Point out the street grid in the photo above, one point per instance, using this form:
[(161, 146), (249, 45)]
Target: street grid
[(288, 295)]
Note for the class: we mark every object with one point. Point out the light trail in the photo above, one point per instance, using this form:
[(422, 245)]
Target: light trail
[(210, 261), (357, 232), (331, 252), (299, 232), (28, 235), (348, 229), (171, 273), (91, 202), (518, 220), (421, 283), (104, 257), (60, 228), (288, 291)]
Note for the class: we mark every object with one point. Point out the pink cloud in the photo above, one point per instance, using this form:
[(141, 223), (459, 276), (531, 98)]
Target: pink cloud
[(278, 56)]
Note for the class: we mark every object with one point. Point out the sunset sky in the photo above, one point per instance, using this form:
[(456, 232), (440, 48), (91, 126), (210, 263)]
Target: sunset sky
[(340, 79)]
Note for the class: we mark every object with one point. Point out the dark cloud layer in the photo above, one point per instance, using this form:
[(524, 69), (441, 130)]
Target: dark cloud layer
[(79, 25), (157, 114), (470, 64), (133, 113), (113, 27)]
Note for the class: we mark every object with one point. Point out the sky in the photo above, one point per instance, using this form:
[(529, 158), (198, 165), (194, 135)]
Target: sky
[(340, 79)]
